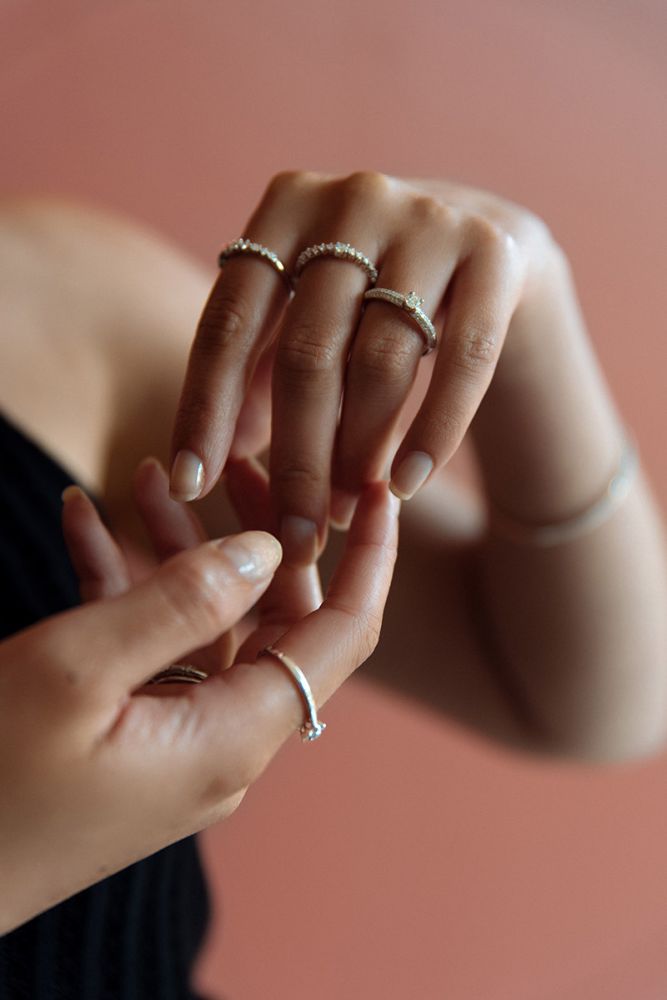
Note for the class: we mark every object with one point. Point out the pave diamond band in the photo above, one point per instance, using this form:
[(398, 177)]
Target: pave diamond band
[(243, 245), (343, 251), (312, 727), (411, 304)]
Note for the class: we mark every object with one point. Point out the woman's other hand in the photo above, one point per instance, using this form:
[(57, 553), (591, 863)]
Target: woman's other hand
[(98, 768)]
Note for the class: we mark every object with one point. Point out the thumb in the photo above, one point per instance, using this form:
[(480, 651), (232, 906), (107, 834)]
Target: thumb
[(188, 602)]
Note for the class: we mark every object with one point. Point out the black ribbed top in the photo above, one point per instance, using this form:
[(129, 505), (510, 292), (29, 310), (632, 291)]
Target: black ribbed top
[(135, 935)]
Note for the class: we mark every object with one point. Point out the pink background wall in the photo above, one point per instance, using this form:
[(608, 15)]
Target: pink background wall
[(400, 857)]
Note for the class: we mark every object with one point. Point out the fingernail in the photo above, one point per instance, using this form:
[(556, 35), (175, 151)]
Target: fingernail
[(299, 540), (254, 554), (70, 492), (412, 473), (187, 476), (341, 509)]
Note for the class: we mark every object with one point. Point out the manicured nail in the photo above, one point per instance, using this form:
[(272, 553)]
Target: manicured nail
[(254, 554), (341, 509), (187, 476), (299, 540), (412, 473)]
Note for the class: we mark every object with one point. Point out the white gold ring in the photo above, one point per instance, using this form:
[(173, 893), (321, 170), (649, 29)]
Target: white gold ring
[(243, 245), (343, 251), (312, 727), (411, 304)]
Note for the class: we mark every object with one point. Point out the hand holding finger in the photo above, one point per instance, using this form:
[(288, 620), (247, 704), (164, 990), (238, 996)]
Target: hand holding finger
[(332, 641), (295, 591)]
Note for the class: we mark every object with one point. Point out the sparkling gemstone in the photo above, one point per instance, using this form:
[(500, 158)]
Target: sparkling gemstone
[(412, 301)]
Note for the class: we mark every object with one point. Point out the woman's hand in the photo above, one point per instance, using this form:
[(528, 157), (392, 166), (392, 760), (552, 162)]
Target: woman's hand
[(470, 255), (98, 768), (573, 637)]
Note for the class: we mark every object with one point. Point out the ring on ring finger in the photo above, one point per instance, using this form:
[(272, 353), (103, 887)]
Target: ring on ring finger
[(411, 304)]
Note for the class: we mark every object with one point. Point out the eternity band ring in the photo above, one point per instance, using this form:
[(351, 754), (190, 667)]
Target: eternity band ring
[(245, 246), (343, 251), (411, 304), (312, 728)]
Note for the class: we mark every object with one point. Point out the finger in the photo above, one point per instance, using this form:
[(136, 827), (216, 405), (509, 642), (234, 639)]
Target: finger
[(98, 561), (330, 643), (235, 327), (247, 483), (253, 427), (187, 603), (222, 733), (485, 292), (385, 356), (295, 590), (312, 352), (171, 526)]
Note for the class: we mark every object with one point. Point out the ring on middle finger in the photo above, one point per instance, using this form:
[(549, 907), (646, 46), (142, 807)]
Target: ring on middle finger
[(411, 304), (343, 251)]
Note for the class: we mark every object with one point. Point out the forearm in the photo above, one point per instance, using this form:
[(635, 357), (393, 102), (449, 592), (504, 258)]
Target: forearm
[(580, 626)]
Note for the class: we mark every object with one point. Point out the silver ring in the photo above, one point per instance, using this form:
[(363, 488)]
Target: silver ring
[(243, 245), (411, 304), (343, 251), (312, 727), (179, 673)]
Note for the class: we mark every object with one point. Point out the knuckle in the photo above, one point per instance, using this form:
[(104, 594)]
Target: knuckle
[(226, 320), (476, 349), (531, 226), (309, 349), (387, 357), (497, 243), (191, 593), (365, 625), (298, 479), (488, 234), (426, 211), (285, 182), (365, 185)]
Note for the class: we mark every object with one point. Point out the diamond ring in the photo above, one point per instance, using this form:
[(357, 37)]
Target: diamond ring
[(243, 245), (343, 251), (411, 304)]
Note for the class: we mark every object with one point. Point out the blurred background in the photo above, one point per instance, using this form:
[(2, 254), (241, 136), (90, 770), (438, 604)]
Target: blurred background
[(401, 857)]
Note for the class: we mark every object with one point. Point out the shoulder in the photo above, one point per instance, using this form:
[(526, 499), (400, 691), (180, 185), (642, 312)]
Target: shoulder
[(97, 314)]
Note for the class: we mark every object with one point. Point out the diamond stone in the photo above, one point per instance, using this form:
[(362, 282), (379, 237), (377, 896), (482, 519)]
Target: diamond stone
[(413, 301)]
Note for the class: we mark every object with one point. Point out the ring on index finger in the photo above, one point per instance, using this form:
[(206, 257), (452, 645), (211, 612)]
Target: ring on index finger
[(244, 246)]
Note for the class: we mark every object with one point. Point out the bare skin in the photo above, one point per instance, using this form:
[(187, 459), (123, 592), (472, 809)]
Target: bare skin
[(559, 650), (97, 770)]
